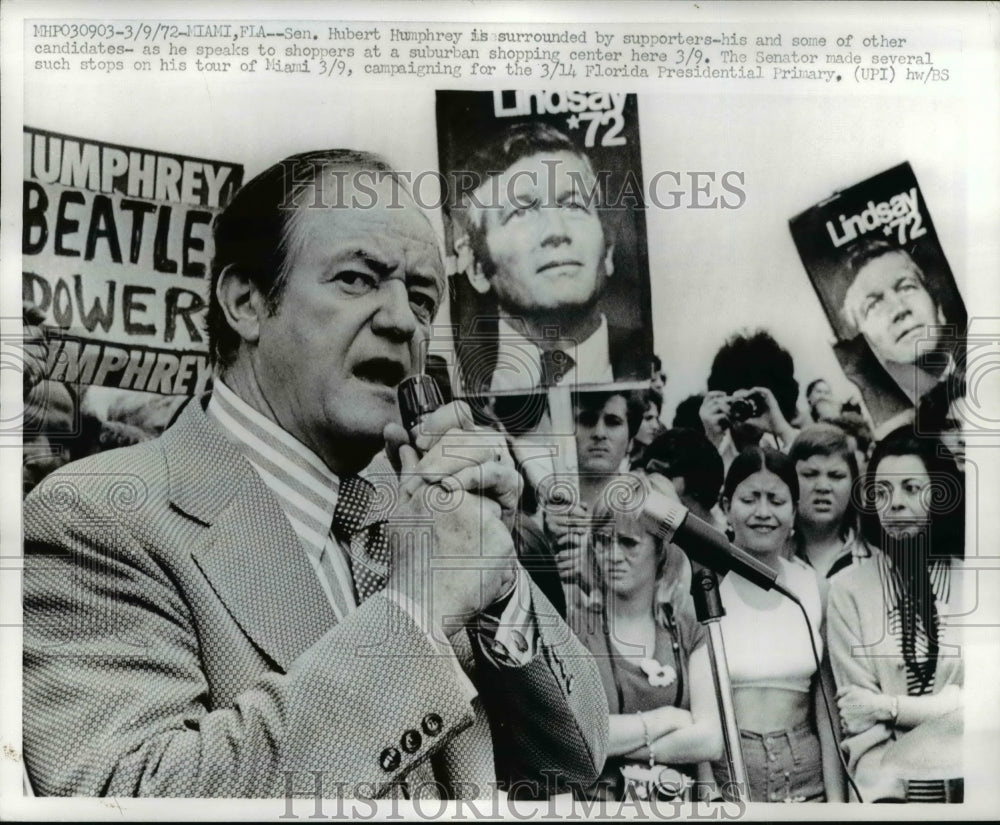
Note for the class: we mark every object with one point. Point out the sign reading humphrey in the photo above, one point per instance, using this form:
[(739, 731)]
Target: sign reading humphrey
[(116, 255)]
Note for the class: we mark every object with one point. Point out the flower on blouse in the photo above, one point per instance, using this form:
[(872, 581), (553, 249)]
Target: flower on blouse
[(658, 675)]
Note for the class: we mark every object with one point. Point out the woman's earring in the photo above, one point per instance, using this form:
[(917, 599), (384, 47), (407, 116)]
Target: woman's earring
[(730, 533)]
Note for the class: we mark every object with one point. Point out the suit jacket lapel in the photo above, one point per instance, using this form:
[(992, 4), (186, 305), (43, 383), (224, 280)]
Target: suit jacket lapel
[(622, 353), (250, 554)]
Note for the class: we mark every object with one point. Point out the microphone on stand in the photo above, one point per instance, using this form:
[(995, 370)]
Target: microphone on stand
[(661, 515)]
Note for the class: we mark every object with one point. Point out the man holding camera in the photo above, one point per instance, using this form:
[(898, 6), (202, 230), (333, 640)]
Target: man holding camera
[(752, 395), (747, 417)]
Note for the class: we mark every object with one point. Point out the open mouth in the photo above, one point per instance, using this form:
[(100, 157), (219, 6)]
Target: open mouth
[(822, 504), (763, 529), (382, 371)]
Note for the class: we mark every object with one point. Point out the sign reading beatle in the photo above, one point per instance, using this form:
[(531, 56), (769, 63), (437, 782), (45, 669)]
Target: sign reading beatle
[(116, 251)]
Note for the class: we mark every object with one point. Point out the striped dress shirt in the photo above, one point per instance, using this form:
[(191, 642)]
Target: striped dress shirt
[(304, 486), (307, 492)]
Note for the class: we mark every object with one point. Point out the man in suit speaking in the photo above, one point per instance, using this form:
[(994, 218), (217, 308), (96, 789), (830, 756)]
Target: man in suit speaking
[(218, 612), (531, 206)]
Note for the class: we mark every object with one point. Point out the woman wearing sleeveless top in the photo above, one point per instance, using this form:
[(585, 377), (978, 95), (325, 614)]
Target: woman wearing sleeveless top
[(652, 658), (788, 757)]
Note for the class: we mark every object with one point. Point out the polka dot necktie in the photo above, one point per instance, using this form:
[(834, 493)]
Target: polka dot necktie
[(369, 550), (555, 364)]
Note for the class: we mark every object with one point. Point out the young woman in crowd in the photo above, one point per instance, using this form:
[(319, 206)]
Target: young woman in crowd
[(652, 658), (895, 658), (825, 535), (650, 427), (788, 747)]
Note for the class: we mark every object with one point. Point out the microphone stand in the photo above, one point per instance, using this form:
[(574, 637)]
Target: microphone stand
[(708, 609)]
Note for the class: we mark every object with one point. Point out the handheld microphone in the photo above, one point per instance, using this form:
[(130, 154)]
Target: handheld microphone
[(671, 521), (418, 395)]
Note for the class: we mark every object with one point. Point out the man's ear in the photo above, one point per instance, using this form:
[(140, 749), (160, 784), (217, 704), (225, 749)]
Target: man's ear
[(478, 278), (609, 260), (242, 303), (848, 317)]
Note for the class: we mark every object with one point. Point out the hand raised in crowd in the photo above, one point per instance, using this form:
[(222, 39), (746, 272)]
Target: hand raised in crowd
[(714, 414), (772, 420), (462, 490)]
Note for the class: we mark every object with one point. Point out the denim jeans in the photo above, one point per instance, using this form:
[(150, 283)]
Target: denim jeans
[(782, 766)]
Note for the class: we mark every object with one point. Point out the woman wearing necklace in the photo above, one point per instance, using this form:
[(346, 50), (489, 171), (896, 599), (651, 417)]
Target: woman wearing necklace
[(892, 682), (653, 660), (788, 747)]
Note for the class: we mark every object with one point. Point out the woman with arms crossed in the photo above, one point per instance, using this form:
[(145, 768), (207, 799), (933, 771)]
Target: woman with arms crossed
[(653, 659), (895, 658)]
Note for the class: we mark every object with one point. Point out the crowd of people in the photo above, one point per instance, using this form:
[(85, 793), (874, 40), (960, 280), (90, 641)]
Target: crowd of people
[(867, 535), (252, 609)]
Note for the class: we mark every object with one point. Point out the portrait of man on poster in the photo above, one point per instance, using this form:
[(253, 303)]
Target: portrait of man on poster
[(542, 246), (901, 349)]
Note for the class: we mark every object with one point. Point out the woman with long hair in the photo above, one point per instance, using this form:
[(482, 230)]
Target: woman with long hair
[(895, 658), (651, 654), (773, 670)]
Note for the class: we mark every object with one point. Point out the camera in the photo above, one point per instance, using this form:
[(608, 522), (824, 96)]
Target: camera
[(750, 406)]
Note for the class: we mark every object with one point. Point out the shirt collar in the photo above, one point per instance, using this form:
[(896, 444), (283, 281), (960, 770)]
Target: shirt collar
[(592, 363), (303, 484), (853, 549), (593, 353)]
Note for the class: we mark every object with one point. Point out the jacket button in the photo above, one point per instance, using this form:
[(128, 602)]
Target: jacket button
[(390, 759), (432, 724), (411, 741)]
